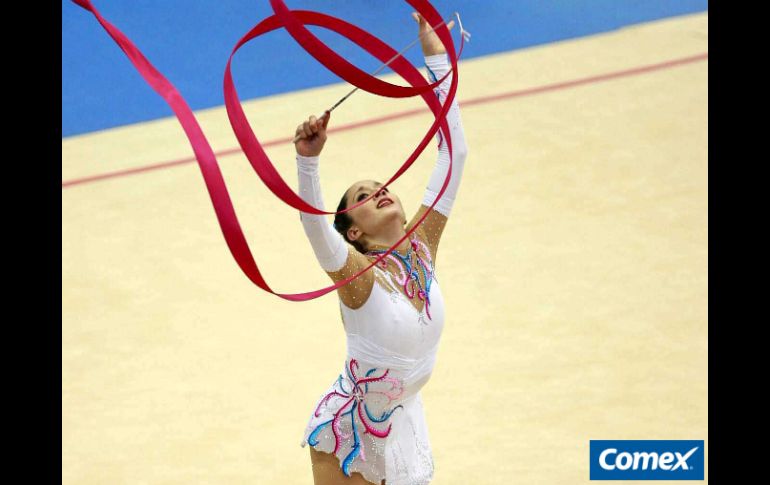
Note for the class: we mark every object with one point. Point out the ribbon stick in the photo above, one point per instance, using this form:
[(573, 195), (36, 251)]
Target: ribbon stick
[(294, 22), (377, 71)]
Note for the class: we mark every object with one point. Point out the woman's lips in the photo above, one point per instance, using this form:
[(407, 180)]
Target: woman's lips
[(383, 203)]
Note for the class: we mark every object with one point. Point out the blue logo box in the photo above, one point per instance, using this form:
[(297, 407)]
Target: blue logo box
[(647, 460)]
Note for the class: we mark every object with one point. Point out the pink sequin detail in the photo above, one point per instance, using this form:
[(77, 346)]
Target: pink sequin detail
[(358, 393), (405, 280)]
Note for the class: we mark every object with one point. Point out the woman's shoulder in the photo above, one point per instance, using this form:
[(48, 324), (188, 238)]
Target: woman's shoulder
[(425, 248), (354, 293)]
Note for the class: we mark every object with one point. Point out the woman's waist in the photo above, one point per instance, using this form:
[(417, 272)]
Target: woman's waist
[(380, 383), (377, 389), (419, 360)]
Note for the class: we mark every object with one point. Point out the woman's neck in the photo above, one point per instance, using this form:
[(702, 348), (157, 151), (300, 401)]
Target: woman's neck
[(386, 240)]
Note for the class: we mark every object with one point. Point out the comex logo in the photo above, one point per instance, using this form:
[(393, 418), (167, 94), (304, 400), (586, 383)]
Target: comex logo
[(647, 460)]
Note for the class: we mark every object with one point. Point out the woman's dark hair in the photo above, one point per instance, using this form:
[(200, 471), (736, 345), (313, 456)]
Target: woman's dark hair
[(342, 223)]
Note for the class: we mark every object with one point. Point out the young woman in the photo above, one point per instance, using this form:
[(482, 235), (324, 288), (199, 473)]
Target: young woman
[(369, 426)]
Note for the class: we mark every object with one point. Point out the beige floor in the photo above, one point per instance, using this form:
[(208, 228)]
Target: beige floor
[(575, 271)]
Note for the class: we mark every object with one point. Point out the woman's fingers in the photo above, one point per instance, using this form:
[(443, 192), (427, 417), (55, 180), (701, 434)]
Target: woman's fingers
[(312, 126), (424, 26)]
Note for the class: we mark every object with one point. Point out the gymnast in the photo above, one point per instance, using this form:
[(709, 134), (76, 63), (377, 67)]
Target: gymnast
[(369, 427)]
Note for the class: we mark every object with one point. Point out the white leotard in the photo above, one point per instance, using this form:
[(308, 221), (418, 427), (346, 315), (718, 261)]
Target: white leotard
[(391, 346)]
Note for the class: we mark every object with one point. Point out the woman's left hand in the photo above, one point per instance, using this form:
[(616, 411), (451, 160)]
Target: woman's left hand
[(431, 44)]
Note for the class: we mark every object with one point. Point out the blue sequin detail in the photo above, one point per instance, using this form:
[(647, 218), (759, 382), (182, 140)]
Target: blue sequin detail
[(431, 74), (368, 373), (436, 91), (339, 380), (350, 376), (412, 272), (311, 439), (356, 444), (384, 416)]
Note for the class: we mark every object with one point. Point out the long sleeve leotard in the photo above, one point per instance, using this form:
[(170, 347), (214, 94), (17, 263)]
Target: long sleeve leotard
[(371, 416)]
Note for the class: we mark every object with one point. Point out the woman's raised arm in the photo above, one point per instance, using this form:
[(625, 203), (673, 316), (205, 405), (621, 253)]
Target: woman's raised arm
[(437, 64), (336, 256)]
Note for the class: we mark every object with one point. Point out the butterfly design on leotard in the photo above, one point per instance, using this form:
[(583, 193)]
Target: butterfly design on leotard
[(356, 401)]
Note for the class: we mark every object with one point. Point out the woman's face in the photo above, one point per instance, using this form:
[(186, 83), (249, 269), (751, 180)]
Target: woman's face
[(380, 211)]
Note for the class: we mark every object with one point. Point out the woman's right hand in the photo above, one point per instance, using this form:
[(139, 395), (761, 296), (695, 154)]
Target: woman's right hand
[(311, 135), (431, 44)]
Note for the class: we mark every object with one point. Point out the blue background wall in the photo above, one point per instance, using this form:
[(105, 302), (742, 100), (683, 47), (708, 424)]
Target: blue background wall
[(190, 41)]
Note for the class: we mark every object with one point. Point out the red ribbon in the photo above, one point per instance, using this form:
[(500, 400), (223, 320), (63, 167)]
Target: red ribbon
[(294, 22)]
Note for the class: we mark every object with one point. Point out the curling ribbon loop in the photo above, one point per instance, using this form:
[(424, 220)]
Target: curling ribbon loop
[(294, 22)]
